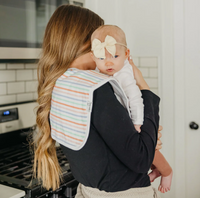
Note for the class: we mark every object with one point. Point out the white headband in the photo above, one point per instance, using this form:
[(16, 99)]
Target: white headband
[(98, 47)]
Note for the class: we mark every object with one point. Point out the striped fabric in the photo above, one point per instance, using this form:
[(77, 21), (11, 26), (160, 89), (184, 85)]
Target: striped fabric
[(71, 105)]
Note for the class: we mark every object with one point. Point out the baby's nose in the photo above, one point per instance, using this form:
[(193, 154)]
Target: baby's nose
[(109, 63)]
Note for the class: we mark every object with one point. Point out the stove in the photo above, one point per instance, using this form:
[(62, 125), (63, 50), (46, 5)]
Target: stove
[(16, 156)]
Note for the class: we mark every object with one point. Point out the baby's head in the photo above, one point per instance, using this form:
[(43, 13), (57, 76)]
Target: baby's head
[(109, 49)]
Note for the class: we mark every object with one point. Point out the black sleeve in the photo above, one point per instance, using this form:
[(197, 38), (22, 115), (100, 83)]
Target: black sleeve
[(111, 120)]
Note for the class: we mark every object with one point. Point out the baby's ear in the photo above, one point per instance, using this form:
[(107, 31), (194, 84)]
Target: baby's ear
[(127, 53)]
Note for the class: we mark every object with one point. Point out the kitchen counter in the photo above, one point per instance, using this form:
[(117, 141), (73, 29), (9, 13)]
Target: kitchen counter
[(9, 192)]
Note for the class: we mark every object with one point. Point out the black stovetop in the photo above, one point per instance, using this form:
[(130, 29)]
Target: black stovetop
[(16, 163)]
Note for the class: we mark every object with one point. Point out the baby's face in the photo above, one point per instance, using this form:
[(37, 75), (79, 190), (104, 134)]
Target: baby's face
[(110, 65)]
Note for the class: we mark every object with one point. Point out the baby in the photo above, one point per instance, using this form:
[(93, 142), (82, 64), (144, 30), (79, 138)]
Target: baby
[(111, 59), (110, 53)]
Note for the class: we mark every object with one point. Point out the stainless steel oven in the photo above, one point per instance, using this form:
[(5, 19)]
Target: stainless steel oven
[(22, 25), (17, 123)]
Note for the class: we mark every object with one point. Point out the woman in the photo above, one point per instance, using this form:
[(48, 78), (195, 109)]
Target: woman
[(114, 157)]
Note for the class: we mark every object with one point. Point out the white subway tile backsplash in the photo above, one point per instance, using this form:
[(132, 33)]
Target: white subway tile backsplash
[(35, 74), (23, 75), (7, 76), (35, 95), (24, 97), (149, 62), (153, 72), (31, 66), (145, 72), (2, 88), (15, 66), (2, 66), (31, 86), (152, 82), (16, 87), (7, 99)]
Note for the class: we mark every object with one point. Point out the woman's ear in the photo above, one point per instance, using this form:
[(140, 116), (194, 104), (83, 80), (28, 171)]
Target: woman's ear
[(127, 53)]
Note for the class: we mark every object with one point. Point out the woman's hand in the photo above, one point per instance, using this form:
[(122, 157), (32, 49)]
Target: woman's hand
[(159, 143), (141, 83)]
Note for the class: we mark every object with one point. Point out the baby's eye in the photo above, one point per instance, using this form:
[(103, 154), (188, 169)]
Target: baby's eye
[(116, 56), (101, 58)]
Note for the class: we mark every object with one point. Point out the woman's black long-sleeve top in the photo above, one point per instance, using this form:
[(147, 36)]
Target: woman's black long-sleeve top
[(116, 157)]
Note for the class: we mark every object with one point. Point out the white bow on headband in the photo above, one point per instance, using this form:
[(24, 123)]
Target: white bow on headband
[(98, 47)]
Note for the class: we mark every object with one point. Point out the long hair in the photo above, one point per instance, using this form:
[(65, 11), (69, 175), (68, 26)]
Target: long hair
[(67, 36)]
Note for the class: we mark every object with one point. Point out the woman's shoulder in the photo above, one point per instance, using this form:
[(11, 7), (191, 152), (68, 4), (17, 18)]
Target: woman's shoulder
[(105, 88), (92, 73), (90, 77)]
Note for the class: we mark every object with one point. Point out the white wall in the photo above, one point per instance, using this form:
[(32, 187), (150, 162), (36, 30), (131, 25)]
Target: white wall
[(140, 20)]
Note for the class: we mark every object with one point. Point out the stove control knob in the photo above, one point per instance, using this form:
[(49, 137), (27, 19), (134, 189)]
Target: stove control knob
[(54, 195), (68, 192)]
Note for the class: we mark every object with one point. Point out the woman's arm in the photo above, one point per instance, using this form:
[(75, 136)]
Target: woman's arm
[(141, 83), (159, 142), (111, 120)]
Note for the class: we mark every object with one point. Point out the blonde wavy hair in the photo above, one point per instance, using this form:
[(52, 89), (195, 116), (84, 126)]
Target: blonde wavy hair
[(67, 37)]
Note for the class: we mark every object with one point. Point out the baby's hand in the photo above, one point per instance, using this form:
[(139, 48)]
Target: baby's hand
[(137, 127)]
